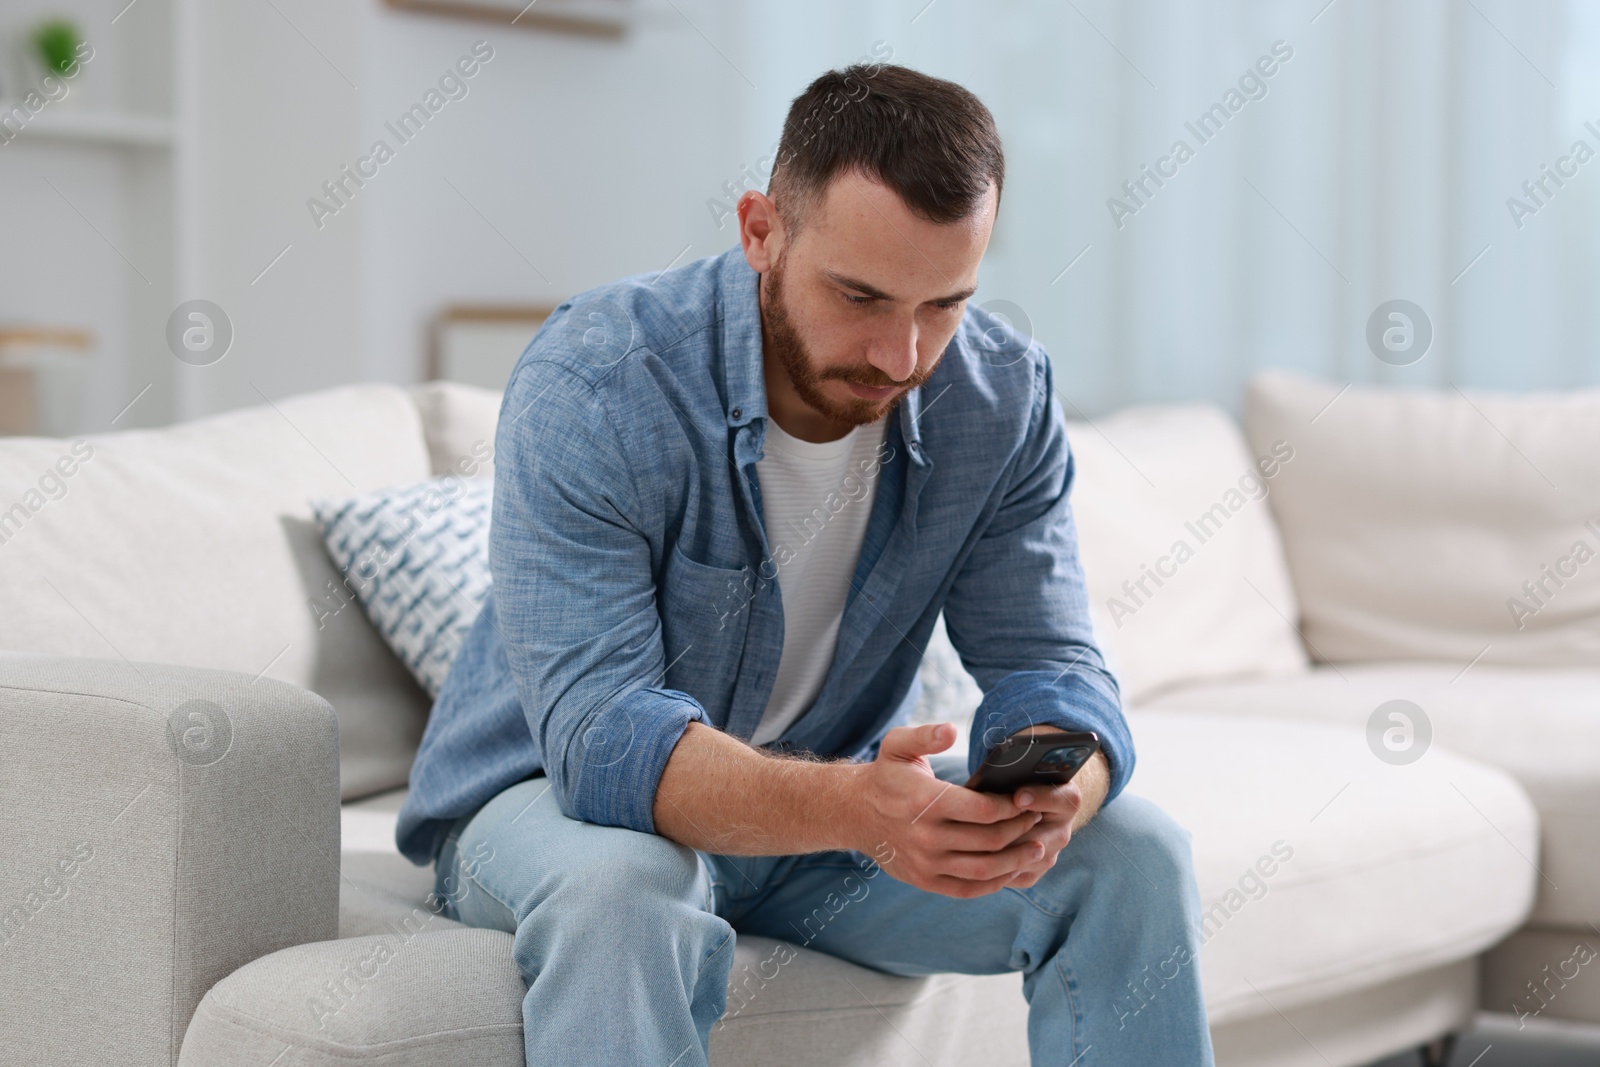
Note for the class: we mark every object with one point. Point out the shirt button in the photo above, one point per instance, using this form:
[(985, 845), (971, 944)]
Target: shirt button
[(737, 413)]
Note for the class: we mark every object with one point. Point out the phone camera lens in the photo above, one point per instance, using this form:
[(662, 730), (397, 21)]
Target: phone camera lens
[(1058, 756)]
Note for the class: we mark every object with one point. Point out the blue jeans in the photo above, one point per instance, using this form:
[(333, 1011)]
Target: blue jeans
[(626, 939)]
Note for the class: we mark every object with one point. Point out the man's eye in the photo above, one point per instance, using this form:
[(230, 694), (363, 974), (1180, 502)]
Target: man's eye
[(951, 305), (858, 301)]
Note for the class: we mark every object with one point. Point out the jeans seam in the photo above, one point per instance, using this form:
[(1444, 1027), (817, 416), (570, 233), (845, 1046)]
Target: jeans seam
[(1027, 895), (1067, 985), (705, 960), (451, 839), (485, 891), (462, 877), (712, 883), (725, 939)]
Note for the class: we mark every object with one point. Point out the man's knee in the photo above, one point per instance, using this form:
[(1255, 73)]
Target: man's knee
[(623, 902), (525, 858), (594, 874), (1136, 837), (632, 867)]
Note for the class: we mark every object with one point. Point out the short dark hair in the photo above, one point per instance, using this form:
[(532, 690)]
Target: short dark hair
[(928, 139)]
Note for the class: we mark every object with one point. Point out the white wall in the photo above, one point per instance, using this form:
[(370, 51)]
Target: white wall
[(570, 162), (273, 119)]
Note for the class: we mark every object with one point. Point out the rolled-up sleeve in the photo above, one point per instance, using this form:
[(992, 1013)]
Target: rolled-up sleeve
[(1018, 610), (576, 602)]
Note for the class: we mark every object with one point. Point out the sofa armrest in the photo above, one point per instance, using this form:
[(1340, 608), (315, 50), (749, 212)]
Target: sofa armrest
[(160, 826)]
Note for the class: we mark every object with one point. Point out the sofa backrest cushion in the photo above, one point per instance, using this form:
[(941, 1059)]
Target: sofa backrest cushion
[(195, 544), (1186, 575), (458, 423), (1439, 525)]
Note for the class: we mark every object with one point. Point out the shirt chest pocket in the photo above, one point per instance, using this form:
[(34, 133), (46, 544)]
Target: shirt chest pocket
[(705, 613)]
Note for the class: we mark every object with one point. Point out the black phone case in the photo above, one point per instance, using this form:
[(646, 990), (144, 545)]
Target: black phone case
[(1014, 762)]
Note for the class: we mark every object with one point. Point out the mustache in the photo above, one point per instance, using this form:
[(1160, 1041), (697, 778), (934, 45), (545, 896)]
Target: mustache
[(879, 381)]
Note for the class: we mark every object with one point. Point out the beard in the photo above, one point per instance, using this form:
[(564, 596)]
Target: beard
[(783, 340)]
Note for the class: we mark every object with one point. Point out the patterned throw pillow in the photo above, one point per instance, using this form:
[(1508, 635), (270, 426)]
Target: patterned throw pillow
[(417, 557)]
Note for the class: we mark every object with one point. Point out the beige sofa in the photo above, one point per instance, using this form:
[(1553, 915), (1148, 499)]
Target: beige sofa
[(182, 883)]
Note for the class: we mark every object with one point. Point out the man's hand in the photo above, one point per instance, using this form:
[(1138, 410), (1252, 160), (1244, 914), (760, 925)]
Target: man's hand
[(937, 836), (959, 842)]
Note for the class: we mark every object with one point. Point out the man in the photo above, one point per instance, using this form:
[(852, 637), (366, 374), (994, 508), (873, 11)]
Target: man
[(731, 501)]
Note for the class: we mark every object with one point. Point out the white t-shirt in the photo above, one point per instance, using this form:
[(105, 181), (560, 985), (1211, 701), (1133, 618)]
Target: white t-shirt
[(815, 500)]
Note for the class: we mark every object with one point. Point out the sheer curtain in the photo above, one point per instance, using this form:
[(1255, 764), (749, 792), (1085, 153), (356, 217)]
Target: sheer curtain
[(1373, 163)]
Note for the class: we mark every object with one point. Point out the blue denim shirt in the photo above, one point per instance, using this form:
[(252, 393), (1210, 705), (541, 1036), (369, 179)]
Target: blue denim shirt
[(633, 578)]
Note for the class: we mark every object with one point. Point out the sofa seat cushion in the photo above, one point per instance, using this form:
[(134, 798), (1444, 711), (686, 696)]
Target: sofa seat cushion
[(367, 825), (383, 892), (446, 996), (1542, 726), (783, 999), (454, 996), (1321, 869), (195, 545)]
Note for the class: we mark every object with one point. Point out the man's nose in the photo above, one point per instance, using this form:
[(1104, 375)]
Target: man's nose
[(895, 352)]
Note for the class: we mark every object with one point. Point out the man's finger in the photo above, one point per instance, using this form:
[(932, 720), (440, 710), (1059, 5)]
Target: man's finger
[(1064, 799), (985, 837), (966, 888), (1015, 858), (961, 804), (1053, 831), (909, 742)]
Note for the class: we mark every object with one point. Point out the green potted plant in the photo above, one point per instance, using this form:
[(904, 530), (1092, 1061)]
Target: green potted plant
[(55, 44), (56, 48)]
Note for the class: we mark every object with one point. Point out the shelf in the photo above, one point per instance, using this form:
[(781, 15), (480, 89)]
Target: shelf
[(94, 127), (46, 336)]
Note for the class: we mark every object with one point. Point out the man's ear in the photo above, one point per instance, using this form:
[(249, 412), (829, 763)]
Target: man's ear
[(760, 230)]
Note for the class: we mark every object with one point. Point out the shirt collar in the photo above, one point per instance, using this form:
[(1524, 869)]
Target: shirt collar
[(744, 386)]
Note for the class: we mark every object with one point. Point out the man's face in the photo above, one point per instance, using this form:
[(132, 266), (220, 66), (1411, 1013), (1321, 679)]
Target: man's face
[(859, 307)]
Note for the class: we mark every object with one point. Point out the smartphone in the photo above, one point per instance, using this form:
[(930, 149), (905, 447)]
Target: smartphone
[(1050, 757)]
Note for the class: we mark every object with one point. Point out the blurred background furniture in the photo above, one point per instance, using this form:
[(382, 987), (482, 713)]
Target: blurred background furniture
[(597, 18), (479, 344), (44, 374)]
